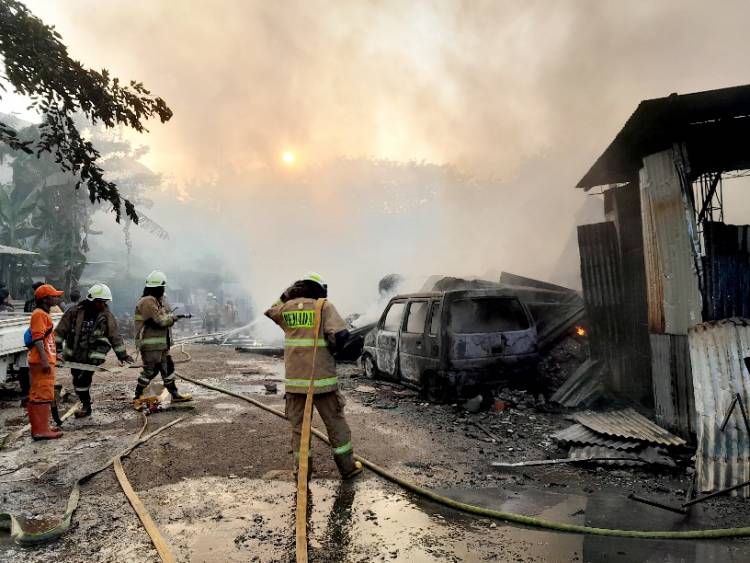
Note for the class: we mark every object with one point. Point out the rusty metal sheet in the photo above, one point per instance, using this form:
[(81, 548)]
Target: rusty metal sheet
[(717, 352), (672, 382), (579, 434), (674, 299), (628, 423)]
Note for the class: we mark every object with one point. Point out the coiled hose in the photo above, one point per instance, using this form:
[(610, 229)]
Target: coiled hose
[(532, 521)]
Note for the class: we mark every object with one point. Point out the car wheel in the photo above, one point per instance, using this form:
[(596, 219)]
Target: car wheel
[(368, 364), (434, 388)]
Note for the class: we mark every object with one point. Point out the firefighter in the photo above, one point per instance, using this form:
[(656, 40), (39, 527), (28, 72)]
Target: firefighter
[(153, 338), (294, 313), (85, 334), (211, 314), (42, 360)]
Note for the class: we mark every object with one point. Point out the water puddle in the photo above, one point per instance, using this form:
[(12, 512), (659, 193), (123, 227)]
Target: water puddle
[(215, 519)]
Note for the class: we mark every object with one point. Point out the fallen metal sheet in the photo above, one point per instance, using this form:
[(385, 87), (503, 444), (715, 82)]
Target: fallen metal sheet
[(717, 352), (628, 423), (582, 388), (579, 434), (650, 455), (582, 459)]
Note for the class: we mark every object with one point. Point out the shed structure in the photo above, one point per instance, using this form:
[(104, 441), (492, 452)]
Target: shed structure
[(664, 263)]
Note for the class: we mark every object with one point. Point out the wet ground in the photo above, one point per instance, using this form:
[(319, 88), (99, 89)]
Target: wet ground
[(219, 484)]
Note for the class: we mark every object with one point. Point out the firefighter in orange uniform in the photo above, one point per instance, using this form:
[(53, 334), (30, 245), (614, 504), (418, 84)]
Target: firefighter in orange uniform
[(42, 362)]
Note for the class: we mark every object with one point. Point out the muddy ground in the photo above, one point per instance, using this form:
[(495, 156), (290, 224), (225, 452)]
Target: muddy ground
[(219, 483)]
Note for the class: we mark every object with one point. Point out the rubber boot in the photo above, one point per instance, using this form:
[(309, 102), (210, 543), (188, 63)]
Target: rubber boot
[(347, 466), (358, 468), (39, 418), (177, 397), (137, 405), (85, 410)]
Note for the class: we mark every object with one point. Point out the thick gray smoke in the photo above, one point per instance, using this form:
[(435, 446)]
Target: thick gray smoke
[(430, 137)]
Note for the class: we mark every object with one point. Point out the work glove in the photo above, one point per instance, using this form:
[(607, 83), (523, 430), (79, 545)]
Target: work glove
[(127, 359)]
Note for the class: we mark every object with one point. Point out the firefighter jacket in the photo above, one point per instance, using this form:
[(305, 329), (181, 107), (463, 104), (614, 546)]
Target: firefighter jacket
[(296, 317), (152, 324), (85, 335)]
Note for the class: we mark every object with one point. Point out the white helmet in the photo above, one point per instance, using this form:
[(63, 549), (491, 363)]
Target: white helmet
[(99, 291), (157, 278), (317, 278)]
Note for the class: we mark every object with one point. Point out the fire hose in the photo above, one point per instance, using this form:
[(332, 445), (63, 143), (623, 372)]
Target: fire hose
[(8, 521), (25, 537), (531, 521)]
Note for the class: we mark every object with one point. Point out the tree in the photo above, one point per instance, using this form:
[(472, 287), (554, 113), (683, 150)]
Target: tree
[(37, 65)]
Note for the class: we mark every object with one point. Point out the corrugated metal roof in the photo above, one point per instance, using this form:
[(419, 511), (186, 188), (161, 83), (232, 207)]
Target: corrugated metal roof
[(672, 381), (674, 299), (579, 434), (582, 388), (717, 352), (647, 455), (16, 251), (628, 423), (712, 123)]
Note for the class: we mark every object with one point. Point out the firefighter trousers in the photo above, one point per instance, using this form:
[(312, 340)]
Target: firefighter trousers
[(330, 407), (82, 383), (155, 362)]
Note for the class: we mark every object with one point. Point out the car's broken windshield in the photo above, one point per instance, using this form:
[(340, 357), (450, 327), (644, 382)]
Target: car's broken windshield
[(488, 314)]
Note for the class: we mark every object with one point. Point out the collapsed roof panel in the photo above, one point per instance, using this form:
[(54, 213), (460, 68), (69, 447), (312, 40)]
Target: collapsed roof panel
[(628, 423)]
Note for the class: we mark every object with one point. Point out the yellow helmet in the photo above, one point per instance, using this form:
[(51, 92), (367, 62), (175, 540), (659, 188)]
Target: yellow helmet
[(317, 278), (157, 278), (99, 291)]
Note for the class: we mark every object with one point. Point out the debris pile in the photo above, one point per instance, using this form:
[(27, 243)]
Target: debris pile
[(623, 437)]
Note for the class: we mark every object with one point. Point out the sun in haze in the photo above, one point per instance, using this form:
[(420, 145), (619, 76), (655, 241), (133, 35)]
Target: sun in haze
[(288, 158)]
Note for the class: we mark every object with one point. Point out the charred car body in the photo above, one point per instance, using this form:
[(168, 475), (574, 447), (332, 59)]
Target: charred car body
[(452, 343)]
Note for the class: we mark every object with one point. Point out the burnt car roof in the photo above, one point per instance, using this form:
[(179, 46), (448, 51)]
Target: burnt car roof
[(457, 293)]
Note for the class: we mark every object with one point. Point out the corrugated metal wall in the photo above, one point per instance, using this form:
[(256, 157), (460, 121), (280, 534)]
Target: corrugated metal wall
[(674, 300), (717, 352), (726, 282), (674, 404), (612, 336), (623, 206), (602, 292)]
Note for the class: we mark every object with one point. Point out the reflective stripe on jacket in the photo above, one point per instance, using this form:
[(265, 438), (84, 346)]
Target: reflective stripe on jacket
[(296, 318), (92, 349), (152, 324)]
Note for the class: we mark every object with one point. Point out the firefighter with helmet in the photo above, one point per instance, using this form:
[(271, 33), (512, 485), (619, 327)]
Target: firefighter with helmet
[(86, 332), (153, 338), (295, 314)]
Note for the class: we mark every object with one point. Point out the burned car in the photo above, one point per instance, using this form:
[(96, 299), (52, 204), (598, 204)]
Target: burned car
[(452, 343)]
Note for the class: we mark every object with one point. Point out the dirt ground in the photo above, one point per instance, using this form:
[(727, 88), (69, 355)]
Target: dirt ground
[(219, 484)]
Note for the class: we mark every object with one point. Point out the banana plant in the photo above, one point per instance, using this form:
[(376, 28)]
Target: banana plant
[(16, 214)]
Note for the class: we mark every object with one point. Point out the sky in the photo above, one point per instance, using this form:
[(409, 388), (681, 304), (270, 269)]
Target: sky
[(428, 137)]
